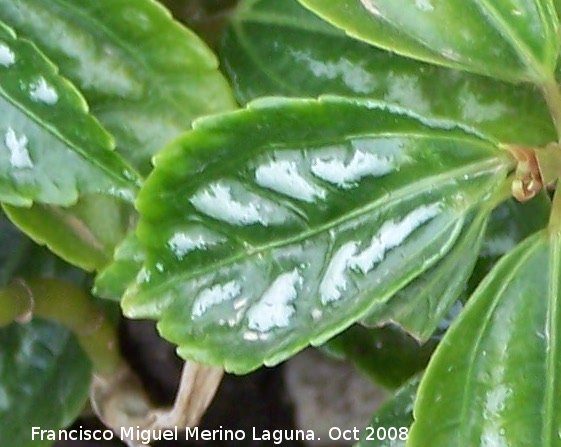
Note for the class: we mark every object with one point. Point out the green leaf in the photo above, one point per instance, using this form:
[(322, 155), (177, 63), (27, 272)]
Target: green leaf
[(388, 355), (421, 306), (280, 48), (144, 75), (390, 425), (51, 149), (263, 228), (437, 289), (113, 281), (85, 234), (494, 377), (44, 381), (20, 257), (510, 223), (510, 40)]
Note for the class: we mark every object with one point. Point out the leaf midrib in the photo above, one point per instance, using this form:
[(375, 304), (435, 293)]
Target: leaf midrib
[(483, 167), (552, 334), (464, 427), (472, 237), (505, 30), (81, 151)]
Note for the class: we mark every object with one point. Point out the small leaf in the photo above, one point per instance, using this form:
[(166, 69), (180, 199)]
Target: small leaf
[(390, 425), (113, 281), (280, 48), (84, 235), (421, 306), (510, 40), (145, 76), (510, 223), (494, 377), (44, 381), (278, 226), (388, 355), (51, 149), (20, 257)]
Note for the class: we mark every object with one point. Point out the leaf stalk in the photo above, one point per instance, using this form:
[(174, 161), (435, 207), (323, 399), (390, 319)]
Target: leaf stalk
[(69, 306), (552, 95)]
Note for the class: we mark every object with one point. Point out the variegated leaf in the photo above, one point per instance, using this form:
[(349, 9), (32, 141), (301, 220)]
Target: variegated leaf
[(51, 149), (281, 48), (280, 225), (495, 375), (513, 40), (145, 76)]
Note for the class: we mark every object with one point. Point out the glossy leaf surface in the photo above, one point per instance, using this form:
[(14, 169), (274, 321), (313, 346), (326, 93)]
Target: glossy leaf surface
[(280, 48), (425, 305), (145, 76), (421, 306), (510, 223), (495, 375), (85, 234), (46, 126), (44, 381), (280, 225), (510, 40), (393, 416), (388, 355)]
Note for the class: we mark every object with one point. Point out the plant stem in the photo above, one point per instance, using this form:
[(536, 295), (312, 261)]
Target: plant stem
[(555, 216), (70, 306), (15, 304), (552, 96)]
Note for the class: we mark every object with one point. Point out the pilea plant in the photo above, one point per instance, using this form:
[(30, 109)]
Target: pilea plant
[(358, 168)]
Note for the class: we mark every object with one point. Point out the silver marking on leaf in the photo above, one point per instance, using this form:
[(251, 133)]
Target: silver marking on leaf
[(345, 175), (19, 155), (215, 295), (7, 56), (143, 275), (182, 243), (274, 309), (283, 177), (424, 5), (316, 314), (392, 234), (334, 282), (218, 201), (41, 91), (352, 74), (371, 7)]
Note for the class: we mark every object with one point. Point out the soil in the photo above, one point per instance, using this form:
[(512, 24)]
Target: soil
[(242, 402)]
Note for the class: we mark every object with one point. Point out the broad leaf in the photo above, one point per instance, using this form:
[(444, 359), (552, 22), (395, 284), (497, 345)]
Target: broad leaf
[(388, 355), (112, 281), (44, 381), (494, 379), (51, 149), (390, 425), (510, 40), (282, 224), (420, 307), (145, 76), (280, 48), (85, 234)]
